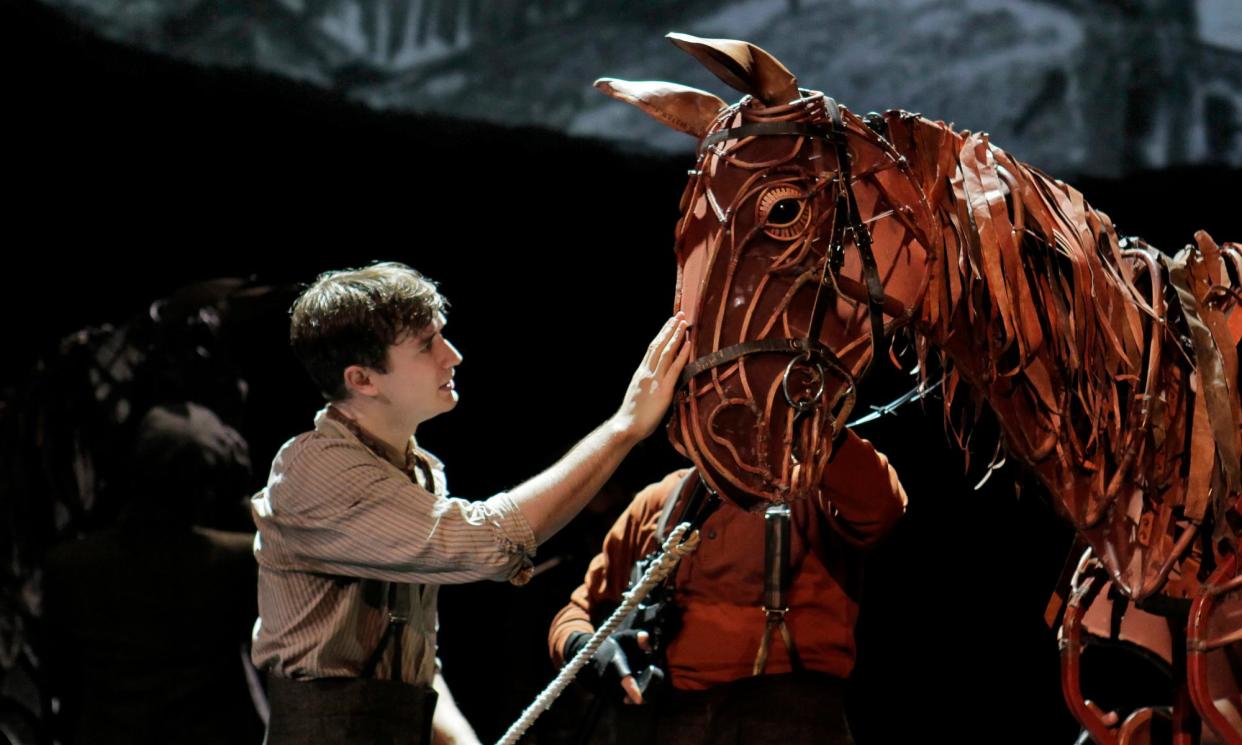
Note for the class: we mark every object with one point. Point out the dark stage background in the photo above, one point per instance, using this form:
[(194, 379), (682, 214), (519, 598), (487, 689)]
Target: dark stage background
[(130, 175)]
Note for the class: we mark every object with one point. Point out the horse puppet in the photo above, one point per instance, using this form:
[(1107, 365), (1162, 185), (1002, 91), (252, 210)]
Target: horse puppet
[(809, 234)]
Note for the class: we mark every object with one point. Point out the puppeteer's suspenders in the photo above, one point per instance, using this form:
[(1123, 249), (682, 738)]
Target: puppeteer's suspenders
[(776, 521), (776, 535)]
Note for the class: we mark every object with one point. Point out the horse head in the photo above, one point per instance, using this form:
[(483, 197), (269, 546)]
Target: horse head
[(804, 238)]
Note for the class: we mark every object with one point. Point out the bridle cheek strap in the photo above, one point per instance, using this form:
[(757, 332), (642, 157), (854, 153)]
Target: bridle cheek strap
[(809, 347)]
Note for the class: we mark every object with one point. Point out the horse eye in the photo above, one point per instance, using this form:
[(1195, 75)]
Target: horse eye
[(784, 212)]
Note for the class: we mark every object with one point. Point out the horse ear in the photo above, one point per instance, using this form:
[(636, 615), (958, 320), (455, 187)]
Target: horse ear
[(743, 66), (681, 107)]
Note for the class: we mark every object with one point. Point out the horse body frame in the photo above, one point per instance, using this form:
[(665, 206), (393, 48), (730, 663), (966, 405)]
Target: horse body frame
[(1110, 368)]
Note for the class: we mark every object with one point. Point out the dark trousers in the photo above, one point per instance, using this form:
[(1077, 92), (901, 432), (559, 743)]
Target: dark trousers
[(348, 711), (789, 709)]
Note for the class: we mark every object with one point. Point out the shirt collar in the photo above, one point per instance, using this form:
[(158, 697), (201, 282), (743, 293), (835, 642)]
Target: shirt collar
[(413, 465)]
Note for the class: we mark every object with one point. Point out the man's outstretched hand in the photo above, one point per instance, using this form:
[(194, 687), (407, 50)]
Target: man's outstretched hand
[(651, 388)]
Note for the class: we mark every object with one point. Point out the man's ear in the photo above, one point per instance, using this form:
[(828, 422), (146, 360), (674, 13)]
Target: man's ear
[(358, 380)]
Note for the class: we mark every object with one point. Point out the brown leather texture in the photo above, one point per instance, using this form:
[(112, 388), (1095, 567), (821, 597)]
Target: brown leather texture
[(1109, 366)]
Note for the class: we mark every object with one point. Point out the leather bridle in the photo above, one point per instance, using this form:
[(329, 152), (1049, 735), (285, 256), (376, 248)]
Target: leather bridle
[(847, 226)]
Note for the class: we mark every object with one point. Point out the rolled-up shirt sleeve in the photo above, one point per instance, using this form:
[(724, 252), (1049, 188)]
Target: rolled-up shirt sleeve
[(332, 507)]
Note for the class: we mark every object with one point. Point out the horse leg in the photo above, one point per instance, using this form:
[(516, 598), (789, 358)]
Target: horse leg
[(1089, 716), (1187, 725), (1199, 670)]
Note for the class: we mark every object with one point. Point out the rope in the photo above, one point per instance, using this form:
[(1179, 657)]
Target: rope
[(670, 553)]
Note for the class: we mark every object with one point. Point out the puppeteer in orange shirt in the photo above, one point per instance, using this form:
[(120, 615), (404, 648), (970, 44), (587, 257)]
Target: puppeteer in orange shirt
[(719, 587)]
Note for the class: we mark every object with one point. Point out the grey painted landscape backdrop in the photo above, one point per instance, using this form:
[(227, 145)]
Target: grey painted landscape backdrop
[(1092, 87)]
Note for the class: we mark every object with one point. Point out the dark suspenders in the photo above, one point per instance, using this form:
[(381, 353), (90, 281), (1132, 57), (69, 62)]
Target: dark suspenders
[(397, 601), (776, 533), (398, 604), (695, 509)]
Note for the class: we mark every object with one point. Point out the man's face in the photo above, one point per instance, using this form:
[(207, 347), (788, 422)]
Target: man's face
[(419, 380)]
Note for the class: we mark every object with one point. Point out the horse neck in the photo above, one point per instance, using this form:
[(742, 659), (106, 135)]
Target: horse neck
[(1032, 306)]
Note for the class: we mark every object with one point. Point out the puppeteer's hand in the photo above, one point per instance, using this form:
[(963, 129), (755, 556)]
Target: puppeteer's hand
[(610, 665), (651, 389), (629, 684)]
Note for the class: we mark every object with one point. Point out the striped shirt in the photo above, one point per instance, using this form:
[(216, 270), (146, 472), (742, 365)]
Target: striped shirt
[(341, 530)]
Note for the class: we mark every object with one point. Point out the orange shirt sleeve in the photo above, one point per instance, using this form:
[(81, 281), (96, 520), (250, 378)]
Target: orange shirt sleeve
[(862, 496), (608, 577)]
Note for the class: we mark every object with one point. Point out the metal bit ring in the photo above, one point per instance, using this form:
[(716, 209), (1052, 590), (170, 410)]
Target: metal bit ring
[(803, 405)]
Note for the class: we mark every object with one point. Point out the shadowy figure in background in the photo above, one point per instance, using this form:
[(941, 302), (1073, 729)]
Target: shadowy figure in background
[(148, 619), (67, 430)]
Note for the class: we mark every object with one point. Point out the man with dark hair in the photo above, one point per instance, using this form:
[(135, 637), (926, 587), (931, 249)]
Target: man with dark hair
[(355, 528)]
